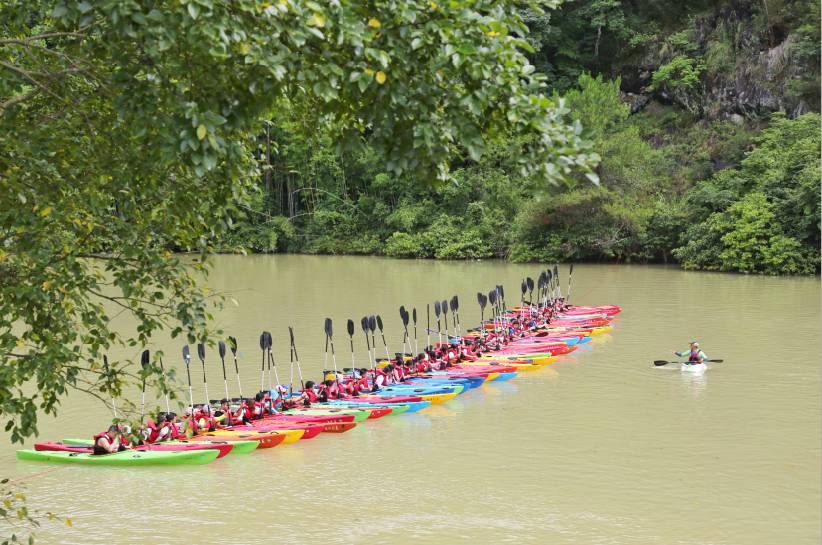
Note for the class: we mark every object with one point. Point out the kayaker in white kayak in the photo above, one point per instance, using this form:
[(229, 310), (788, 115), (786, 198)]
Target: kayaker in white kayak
[(694, 353)]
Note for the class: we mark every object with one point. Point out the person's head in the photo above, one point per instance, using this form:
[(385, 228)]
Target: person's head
[(113, 431), (694, 345), (161, 418), (329, 383), (309, 384), (258, 397), (363, 371)]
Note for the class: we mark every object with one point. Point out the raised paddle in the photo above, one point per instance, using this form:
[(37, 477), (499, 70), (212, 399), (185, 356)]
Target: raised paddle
[(444, 307), (403, 314), (144, 359), (372, 325), (221, 351), (570, 272), (414, 318), (296, 358), (482, 300), (364, 325), (329, 332), (201, 355), (428, 319), (232, 344), (350, 328), (457, 314), (263, 345), (492, 298), (379, 324), (660, 363), (524, 288), (437, 311), (187, 361), (272, 363)]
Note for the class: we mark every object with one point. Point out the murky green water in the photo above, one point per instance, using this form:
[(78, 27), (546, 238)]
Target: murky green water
[(596, 448)]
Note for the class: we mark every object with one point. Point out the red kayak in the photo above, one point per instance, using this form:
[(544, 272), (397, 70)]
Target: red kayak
[(310, 430), (223, 447)]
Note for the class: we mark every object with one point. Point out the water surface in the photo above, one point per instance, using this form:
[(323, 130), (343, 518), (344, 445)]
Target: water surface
[(597, 448)]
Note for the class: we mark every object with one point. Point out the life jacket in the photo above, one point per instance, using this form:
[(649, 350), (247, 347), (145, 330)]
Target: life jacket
[(311, 395), (694, 356), (98, 449)]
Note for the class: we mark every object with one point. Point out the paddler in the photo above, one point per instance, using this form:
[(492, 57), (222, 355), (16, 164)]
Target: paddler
[(694, 353), (108, 442)]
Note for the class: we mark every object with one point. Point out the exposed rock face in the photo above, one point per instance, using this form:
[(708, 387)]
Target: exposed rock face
[(751, 68)]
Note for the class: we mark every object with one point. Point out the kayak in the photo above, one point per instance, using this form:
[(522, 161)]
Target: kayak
[(265, 439), (222, 448), (696, 368), (413, 406), (239, 446), (124, 458)]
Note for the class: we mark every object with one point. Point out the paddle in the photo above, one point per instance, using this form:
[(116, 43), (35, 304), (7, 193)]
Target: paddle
[(492, 298), (660, 363), (529, 283), (524, 288), (414, 318), (570, 272), (187, 361), (329, 332), (457, 313), (372, 325), (428, 334), (221, 350), (482, 300), (437, 311), (232, 344), (263, 344), (364, 325), (163, 372), (404, 318), (444, 307), (502, 296), (350, 328), (272, 363), (379, 324), (106, 369), (295, 357), (201, 355), (452, 306), (556, 280), (144, 364)]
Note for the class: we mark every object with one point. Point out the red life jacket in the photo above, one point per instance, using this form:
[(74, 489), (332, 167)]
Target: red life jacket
[(311, 395)]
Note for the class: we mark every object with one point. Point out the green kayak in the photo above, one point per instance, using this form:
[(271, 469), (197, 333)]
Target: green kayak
[(239, 447), (124, 458), (395, 408)]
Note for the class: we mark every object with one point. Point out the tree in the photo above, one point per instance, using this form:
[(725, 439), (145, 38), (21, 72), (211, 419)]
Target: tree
[(130, 127)]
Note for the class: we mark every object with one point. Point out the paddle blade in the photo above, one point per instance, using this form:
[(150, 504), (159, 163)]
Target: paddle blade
[(269, 341), (523, 287), (364, 324), (501, 291), (404, 316), (186, 354), (492, 296), (571, 270), (444, 306), (414, 315), (530, 283), (262, 340), (201, 351), (350, 326), (232, 344), (437, 309), (372, 323), (660, 363), (144, 358), (291, 334), (105, 362), (456, 303), (221, 349), (328, 327), (379, 322)]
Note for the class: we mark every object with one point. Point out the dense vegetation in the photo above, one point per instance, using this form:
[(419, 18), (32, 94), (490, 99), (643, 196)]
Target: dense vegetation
[(704, 114)]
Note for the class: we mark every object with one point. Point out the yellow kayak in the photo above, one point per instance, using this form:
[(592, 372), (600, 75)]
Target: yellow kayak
[(291, 436), (538, 359), (436, 399)]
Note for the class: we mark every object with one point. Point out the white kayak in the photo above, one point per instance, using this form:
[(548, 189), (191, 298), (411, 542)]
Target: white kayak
[(694, 367)]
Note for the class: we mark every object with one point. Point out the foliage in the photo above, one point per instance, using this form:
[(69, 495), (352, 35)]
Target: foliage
[(132, 128), (16, 515)]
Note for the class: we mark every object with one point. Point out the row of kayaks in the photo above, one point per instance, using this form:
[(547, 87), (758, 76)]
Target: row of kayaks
[(542, 344)]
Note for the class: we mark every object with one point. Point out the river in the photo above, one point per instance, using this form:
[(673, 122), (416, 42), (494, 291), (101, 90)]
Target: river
[(597, 448)]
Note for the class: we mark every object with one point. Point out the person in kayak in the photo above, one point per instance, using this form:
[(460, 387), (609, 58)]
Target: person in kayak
[(108, 442), (694, 353)]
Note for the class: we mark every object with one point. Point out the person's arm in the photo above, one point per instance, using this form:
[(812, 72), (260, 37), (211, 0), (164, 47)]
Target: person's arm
[(682, 354)]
